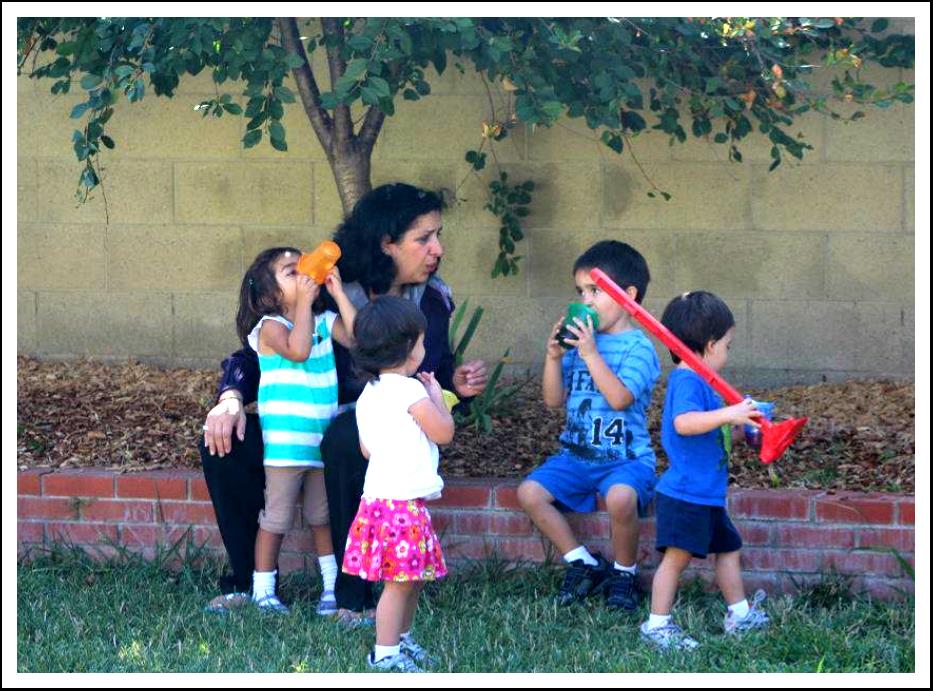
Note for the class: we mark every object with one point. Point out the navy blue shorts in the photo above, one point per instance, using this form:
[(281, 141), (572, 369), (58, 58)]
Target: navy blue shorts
[(694, 528), (573, 482)]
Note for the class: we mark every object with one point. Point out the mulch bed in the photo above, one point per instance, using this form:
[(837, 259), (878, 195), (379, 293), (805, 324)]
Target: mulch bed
[(131, 416)]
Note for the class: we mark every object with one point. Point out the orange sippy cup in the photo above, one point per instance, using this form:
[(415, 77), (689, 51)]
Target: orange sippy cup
[(317, 264)]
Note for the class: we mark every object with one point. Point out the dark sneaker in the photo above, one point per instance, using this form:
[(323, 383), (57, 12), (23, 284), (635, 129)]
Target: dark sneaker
[(581, 580), (621, 590)]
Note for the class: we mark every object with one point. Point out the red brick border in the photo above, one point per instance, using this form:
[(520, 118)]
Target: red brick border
[(792, 537)]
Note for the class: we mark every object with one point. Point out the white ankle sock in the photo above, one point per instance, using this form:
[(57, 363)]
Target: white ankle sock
[(633, 569), (657, 620), (381, 651), (739, 609), (328, 566), (580, 552), (263, 584)]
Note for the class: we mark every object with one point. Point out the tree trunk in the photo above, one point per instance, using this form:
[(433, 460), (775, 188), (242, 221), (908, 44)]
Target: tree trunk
[(350, 163)]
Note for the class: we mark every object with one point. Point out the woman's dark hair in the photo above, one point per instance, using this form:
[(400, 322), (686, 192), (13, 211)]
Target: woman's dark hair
[(259, 291), (387, 211), (697, 318), (386, 330), (622, 262)]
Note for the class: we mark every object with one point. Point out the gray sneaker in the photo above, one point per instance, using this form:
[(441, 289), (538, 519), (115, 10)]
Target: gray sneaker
[(393, 663), (272, 604), (668, 637), (755, 619), (415, 652)]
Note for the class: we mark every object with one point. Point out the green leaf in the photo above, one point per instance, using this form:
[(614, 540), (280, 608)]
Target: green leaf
[(90, 81), (381, 86), (410, 95), (279, 144), (79, 110), (276, 132), (294, 61), (721, 138), (233, 108), (252, 138), (107, 141), (283, 93), (355, 69), (877, 26)]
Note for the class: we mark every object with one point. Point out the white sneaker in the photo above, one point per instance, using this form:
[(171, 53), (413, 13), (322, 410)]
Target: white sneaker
[(668, 637), (415, 651), (327, 605), (399, 662), (271, 603), (755, 619)]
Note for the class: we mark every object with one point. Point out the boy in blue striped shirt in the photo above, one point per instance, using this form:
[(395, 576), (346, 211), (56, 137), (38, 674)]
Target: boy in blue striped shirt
[(297, 401), (605, 381)]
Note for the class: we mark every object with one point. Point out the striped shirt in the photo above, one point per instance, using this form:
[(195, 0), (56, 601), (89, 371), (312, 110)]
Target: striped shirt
[(593, 430), (297, 400)]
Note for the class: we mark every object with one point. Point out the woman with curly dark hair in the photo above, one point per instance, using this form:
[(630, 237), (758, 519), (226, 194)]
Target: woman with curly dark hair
[(390, 245)]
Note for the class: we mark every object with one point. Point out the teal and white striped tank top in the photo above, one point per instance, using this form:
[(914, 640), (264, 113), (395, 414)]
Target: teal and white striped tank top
[(297, 400)]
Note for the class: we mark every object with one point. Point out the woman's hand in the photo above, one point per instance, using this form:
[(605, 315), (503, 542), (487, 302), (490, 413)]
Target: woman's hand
[(470, 378), (222, 419)]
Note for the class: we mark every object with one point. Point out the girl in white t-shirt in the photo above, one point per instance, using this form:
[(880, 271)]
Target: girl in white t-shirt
[(401, 421)]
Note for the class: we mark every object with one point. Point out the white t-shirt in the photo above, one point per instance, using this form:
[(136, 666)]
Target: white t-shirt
[(402, 460)]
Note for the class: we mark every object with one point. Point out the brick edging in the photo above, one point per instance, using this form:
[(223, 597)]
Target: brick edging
[(792, 537)]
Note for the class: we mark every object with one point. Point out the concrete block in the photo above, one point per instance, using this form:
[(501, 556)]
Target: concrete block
[(205, 325), (445, 127), (469, 256), (61, 256), (883, 135), (105, 324), (751, 265), (828, 197), (135, 192), (26, 176), (185, 258), (704, 196), (910, 195), (886, 338), (244, 192), (875, 267), (804, 335), (26, 330)]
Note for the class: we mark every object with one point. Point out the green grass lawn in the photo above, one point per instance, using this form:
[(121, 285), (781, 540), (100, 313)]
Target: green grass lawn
[(129, 615)]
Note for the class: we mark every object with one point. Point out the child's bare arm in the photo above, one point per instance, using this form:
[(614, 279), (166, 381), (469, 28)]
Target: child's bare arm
[(552, 380), (435, 420), (294, 344), (697, 422)]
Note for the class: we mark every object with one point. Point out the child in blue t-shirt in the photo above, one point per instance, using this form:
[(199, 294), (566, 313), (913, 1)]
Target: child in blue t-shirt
[(605, 381), (696, 432)]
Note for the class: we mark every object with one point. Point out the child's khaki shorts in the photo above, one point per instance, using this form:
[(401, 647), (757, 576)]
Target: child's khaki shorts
[(283, 487)]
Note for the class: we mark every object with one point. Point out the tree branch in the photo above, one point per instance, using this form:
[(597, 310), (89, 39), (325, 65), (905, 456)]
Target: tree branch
[(307, 86), (372, 125), (343, 125)]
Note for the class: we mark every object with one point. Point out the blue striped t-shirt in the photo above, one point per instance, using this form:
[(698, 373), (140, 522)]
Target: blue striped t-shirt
[(593, 430), (297, 400)]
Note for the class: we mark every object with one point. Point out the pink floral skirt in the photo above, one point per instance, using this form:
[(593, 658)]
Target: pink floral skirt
[(393, 540)]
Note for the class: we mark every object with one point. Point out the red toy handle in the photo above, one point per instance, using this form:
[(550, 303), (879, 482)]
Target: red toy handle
[(646, 319), (775, 437)]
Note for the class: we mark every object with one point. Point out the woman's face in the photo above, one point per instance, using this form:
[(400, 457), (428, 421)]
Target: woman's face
[(417, 254)]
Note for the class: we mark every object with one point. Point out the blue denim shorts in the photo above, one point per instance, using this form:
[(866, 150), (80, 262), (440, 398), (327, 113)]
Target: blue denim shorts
[(574, 482), (695, 528)]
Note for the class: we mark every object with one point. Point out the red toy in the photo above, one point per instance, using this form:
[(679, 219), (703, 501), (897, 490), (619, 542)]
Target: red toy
[(775, 437)]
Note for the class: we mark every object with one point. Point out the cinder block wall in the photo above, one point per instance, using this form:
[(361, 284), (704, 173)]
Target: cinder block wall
[(816, 259)]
